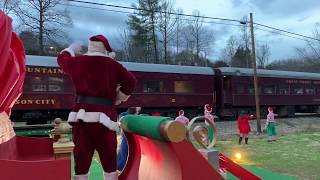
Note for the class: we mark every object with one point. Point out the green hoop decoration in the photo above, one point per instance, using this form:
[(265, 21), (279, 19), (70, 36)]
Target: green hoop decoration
[(198, 129)]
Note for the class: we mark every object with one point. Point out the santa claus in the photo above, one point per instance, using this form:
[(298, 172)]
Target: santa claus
[(100, 83)]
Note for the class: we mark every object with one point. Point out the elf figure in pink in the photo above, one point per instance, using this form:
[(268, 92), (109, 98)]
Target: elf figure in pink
[(243, 126), (271, 125), (101, 83), (181, 118), (209, 116)]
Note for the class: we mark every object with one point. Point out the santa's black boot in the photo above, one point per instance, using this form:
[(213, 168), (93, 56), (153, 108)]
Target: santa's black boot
[(246, 140), (240, 139)]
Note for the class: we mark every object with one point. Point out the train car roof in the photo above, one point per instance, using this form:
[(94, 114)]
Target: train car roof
[(268, 73), (32, 60)]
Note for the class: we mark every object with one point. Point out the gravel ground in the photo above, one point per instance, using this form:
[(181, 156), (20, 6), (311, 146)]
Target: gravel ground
[(298, 124)]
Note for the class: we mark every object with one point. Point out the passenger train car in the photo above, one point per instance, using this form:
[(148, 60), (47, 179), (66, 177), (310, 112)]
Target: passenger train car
[(288, 92), (48, 93)]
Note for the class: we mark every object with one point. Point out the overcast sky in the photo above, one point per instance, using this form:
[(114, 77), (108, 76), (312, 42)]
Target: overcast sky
[(298, 16)]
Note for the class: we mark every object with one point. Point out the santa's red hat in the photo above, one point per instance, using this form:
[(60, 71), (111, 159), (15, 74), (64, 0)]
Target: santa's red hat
[(99, 45), (270, 109), (207, 108), (181, 112)]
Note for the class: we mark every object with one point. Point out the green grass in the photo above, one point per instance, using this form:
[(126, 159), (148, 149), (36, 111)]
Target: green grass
[(296, 155)]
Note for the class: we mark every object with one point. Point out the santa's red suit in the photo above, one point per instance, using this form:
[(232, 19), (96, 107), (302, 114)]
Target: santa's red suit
[(100, 83), (243, 124)]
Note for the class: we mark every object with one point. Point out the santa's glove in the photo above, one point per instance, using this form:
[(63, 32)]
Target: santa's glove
[(121, 97), (74, 48), (106, 121)]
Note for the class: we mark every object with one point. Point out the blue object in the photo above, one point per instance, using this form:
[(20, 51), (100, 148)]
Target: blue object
[(122, 155)]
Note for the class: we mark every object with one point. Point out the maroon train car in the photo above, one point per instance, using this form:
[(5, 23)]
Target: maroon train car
[(288, 92), (49, 93), (168, 88)]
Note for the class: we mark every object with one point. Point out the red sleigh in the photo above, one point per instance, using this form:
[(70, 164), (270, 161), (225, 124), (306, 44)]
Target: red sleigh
[(32, 158), (21, 157)]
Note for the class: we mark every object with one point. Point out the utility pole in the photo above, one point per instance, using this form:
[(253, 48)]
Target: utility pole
[(255, 79)]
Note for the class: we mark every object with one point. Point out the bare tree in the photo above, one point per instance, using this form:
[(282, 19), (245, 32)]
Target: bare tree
[(230, 50), (7, 6), (244, 39), (199, 37), (124, 40), (310, 54), (312, 49), (166, 26), (263, 55), (44, 18), (178, 26)]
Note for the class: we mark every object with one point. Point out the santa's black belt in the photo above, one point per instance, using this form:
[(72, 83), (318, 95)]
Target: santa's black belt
[(94, 100)]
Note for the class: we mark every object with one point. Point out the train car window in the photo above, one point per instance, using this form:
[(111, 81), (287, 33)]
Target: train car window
[(153, 86), (240, 89), (55, 80), (54, 88), (310, 90), (251, 89), (55, 84), (284, 90), (38, 79), (39, 84), (183, 86), (39, 87), (269, 90), (297, 90)]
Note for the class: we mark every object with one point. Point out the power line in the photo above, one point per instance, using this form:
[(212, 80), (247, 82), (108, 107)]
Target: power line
[(96, 8), (279, 33), (140, 9), (195, 16), (277, 29), (126, 12)]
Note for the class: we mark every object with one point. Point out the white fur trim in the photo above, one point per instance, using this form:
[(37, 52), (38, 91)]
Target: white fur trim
[(69, 50), (95, 53), (81, 176), (112, 55), (111, 175), (91, 53), (92, 117)]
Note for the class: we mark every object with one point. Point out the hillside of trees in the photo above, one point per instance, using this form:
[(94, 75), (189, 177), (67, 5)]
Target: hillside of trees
[(156, 34)]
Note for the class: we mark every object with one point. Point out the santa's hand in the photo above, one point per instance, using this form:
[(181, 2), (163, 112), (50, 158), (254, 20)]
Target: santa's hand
[(76, 46)]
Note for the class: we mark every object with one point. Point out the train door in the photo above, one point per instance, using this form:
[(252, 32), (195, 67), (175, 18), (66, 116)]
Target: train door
[(227, 88)]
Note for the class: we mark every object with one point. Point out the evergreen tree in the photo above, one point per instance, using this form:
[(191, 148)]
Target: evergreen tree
[(241, 58), (143, 26)]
